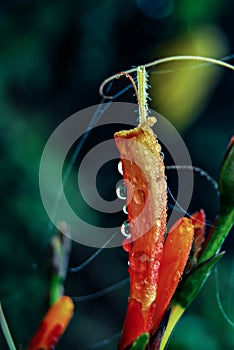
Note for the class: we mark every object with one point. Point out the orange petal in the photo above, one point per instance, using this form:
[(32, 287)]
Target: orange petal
[(175, 255), (53, 325), (144, 176)]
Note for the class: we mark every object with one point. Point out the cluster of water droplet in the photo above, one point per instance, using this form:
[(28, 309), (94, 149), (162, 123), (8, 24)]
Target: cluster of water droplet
[(121, 192)]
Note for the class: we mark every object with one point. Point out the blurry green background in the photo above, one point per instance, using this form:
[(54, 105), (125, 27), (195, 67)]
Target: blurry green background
[(53, 57)]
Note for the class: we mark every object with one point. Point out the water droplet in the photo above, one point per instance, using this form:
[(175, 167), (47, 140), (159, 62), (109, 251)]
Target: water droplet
[(158, 147), (177, 277), (120, 167), (202, 173), (184, 229), (125, 229), (158, 222), (139, 285), (127, 245), (135, 179), (156, 264), (121, 191), (158, 248), (139, 261), (125, 209), (161, 184), (148, 167), (139, 197), (162, 155)]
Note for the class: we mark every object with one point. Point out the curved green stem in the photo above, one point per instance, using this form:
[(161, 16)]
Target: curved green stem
[(162, 61), (6, 331)]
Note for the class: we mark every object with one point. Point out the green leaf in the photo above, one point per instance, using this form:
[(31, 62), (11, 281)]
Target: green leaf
[(226, 216), (226, 179), (186, 292), (141, 342), (189, 287)]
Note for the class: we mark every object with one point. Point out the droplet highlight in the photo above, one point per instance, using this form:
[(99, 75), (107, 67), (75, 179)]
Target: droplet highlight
[(127, 244), (161, 184), (121, 191), (139, 197), (120, 167), (139, 285), (156, 265), (139, 261), (158, 248), (184, 229), (125, 229), (158, 147), (125, 209), (158, 222), (162, 155)]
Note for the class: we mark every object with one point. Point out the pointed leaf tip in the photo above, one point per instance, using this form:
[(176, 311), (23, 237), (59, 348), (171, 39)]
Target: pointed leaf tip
[(226, 179)]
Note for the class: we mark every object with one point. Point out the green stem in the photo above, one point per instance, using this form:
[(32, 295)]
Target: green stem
[(221, 230), (166, 60), (142, 92), (60, 249), (6, 331)]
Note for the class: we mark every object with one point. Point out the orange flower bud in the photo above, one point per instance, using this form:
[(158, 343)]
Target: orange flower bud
[(53, 325), (175, 255)]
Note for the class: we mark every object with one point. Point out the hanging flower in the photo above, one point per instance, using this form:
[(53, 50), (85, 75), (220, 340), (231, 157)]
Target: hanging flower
[(165, 273), (155, 264)]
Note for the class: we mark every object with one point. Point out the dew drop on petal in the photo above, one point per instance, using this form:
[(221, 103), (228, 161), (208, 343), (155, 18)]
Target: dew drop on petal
[(139, 261), (125, 209), (148, 167), (120, 167), (125, 229), (177, 277), (158, 222), (138, 285), (156, 264), (158, 147), (158, 248), (135, 179), (121, 191), (161, 184), (184, 229), (127, 245), (139, 197)]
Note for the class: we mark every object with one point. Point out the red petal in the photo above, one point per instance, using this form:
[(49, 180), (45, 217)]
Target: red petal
[(198, 221), (134, 324)]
